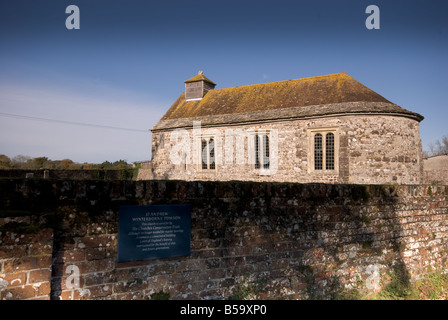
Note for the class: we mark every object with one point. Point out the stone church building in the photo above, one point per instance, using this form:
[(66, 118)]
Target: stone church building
[(328, 128)]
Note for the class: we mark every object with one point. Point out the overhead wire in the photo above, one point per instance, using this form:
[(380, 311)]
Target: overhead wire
[(17, 116)]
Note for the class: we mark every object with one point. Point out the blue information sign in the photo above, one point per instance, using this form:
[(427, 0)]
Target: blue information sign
[(153, 231)]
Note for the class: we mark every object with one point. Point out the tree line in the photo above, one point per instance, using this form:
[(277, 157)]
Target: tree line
[(438, 148), (29, 163)]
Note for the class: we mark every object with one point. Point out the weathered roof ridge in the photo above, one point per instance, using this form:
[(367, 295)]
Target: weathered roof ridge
[(298, 79), (327, 110)]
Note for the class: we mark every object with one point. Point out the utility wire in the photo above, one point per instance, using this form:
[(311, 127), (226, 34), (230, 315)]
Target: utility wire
[(17, 116)]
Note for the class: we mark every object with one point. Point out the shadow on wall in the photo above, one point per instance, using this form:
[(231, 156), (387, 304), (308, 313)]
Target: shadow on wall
[(298, 241), (358, 244), (248, 240), (308, 241), (85, 237)]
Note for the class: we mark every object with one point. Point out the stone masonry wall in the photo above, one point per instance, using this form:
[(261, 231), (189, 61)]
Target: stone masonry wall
[(58, 239), (369, 150), (25, 261), (436, 176), (435, 170)]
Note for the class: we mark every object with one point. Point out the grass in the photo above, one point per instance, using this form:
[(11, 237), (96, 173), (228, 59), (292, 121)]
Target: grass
[(161, 295), (250, 289), (396, 285), (433, 286)]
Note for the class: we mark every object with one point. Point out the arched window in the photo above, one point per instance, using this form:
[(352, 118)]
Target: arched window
[(257, 151), (318, 152), (261, 146), (208, 153), (211, 148), (324, 150), (266, 152), (329, 151), (204, 154)]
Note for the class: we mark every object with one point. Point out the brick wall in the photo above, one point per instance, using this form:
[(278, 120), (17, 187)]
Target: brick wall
[(69, 174), (25, 262), (263, 240)]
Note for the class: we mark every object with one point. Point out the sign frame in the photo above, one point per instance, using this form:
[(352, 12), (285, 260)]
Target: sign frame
[(153, 231)]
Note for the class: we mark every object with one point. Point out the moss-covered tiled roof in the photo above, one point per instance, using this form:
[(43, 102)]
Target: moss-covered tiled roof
[(323, 95)]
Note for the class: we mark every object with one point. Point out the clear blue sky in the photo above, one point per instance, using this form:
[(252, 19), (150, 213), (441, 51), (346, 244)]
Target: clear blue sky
[(126, 64)]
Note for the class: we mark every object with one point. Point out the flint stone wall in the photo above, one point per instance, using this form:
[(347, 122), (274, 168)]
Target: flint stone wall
[(436, 170), (267, 240), (372, 150)]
